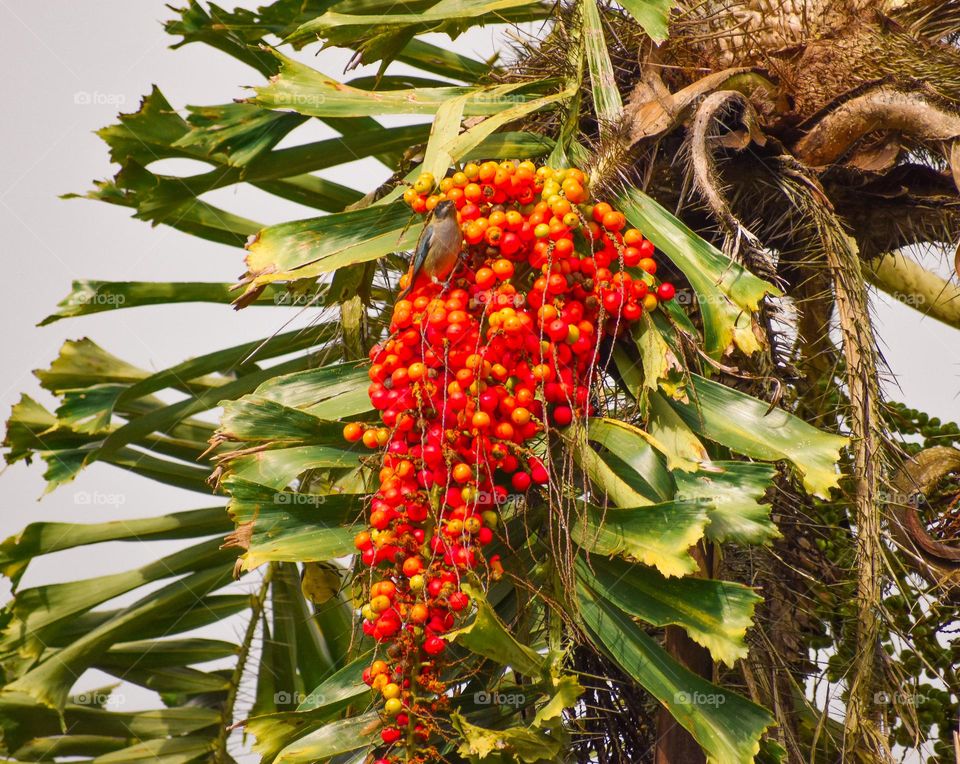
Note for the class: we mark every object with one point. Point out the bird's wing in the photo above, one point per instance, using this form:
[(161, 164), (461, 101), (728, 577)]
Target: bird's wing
[(423, 247)]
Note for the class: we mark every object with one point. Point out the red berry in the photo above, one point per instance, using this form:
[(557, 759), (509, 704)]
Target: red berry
[(521, 481), (538, 473), (666, 291), (562, 416), (390, 735), (510, 243)]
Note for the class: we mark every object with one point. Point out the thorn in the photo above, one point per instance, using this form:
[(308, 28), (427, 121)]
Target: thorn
[(778, 394)]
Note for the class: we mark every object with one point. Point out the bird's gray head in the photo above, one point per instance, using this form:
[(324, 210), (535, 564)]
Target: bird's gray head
[(445, 209)]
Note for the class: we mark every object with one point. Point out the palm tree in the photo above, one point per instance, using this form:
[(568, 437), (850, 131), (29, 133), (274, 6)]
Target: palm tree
[(747, 541)]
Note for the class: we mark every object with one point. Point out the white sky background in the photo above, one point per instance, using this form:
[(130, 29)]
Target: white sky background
[(69, 66)]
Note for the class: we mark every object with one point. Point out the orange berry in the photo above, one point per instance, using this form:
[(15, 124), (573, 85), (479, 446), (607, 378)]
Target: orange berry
[(503, 268), (487, 171), (648, 264), (524, 174), (514, 220), (573, 191), (614, 221), (353, 431), (520, 416), (419, 613), (542, 372), (473, 233), (380, 603), (600, 209), (480, 420), (416, 371), (485, 278), (547, 313)]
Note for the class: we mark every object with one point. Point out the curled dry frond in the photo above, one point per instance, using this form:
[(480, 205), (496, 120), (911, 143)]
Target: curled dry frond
[(916, 484), (878, 110)]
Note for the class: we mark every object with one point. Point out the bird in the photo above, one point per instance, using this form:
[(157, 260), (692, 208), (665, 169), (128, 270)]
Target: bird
[(438, 249), (320, 582)]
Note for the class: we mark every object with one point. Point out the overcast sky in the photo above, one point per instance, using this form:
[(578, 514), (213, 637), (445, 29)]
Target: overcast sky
[(70, 66)]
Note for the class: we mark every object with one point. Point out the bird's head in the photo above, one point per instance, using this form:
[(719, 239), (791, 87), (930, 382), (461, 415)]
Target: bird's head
[(446, 209)]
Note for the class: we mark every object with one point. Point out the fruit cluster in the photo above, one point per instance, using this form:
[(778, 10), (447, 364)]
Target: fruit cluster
[(472, 377)]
